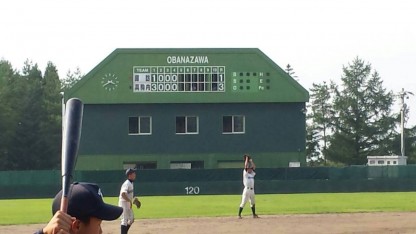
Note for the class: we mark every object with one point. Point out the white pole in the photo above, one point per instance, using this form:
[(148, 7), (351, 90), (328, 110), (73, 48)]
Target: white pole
[(403, 94), (402, 109)]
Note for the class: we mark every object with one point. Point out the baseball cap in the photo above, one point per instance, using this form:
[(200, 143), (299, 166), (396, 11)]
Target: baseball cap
[(86, 200), (130, 171)]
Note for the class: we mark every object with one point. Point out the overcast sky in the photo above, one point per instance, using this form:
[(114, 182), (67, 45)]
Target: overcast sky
[(316, 37)]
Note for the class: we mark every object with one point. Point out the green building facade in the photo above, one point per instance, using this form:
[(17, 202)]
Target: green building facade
[(189, 108)]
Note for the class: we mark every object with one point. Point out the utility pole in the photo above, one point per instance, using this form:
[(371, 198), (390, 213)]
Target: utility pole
[(403, 94)]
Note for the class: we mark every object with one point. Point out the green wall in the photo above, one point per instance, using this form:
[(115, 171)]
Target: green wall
[(32, 184), (115, 162), (274, 135)]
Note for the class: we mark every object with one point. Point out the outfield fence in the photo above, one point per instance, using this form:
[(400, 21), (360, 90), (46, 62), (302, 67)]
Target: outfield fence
[(45, 184)]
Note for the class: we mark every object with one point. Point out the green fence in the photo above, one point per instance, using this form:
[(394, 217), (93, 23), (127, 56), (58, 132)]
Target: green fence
[(35, 184)]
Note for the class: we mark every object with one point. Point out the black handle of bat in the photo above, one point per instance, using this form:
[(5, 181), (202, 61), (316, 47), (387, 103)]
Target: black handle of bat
[(70, 143)]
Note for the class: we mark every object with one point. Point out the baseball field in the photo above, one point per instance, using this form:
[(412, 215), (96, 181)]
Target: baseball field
[(279, 213)]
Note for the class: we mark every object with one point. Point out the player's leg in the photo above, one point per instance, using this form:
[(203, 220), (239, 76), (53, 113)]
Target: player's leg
[(244, 199), (253, 209), (130, 219), (124, 229), (124, 217), (253, 204)]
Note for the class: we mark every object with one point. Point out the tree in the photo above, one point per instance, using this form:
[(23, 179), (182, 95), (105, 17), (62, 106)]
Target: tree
[(411, 145), (289, 70), (312, 145), (7, 110), (363, 124), (71, 78), (27, 144), (320, 117), (51, 125), (36, 139), (410, 142)]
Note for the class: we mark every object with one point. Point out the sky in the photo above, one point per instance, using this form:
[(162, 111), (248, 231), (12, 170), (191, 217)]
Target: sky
[(316, 37)]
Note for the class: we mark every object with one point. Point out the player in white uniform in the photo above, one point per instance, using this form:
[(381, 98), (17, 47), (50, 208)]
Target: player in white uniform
[(126, 201), (248, 181)]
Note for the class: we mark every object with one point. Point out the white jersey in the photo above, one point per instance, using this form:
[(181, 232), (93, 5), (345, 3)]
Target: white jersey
[(248, 179), (127, 188)]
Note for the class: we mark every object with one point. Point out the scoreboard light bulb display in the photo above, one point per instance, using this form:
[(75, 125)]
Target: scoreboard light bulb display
[(179, 79)]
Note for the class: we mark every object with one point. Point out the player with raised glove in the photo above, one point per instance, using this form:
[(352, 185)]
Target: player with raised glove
[(248, 182)]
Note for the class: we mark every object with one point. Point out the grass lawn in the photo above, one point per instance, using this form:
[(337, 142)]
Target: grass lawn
[(25, 211)]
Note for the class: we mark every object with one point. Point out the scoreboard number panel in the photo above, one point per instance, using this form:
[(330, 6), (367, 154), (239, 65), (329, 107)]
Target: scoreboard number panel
[(178, 79)]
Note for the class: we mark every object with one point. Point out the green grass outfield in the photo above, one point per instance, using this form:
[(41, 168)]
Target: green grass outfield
[(26, 211)]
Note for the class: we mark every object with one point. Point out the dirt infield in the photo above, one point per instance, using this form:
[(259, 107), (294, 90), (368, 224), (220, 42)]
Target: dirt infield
[(403, 222)]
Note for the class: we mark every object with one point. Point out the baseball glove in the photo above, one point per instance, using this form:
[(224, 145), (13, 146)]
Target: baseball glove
[(137, 202)]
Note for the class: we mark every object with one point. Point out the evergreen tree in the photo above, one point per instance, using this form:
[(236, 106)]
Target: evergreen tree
[(363, 122), (27, 144), (51, 128), (411, 145), (312, 145), (30, 117), (321, 115), (410, 142), (289, 70), (7, 111), (71, 78)]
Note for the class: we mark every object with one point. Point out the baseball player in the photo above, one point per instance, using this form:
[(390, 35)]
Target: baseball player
[(126, 201), (248, 181), (86, 210)]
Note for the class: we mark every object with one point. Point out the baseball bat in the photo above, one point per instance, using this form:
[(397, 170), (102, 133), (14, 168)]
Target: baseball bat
[(70, 142)]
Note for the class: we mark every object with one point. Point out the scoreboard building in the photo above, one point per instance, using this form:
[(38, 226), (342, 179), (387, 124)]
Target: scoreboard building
[(189, 108)]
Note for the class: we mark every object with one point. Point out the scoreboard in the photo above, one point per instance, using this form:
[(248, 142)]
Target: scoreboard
[(196, 79), (179, 79), (188, 76)]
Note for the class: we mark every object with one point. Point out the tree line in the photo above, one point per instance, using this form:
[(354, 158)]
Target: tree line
[(31, 116), (346, 122), (354, 118)]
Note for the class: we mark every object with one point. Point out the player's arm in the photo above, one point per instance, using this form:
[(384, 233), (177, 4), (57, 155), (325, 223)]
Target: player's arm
[(124, 189), (123, 192), (124, 195), (253, 165), (246, 162), (60, 222)]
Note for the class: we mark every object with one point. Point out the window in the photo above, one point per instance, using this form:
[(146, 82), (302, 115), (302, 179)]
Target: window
[(380, 162), (230, 164), (233, 124), (141, 125), (146, 165), (140, 165), (187, 165), (186, 125)]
